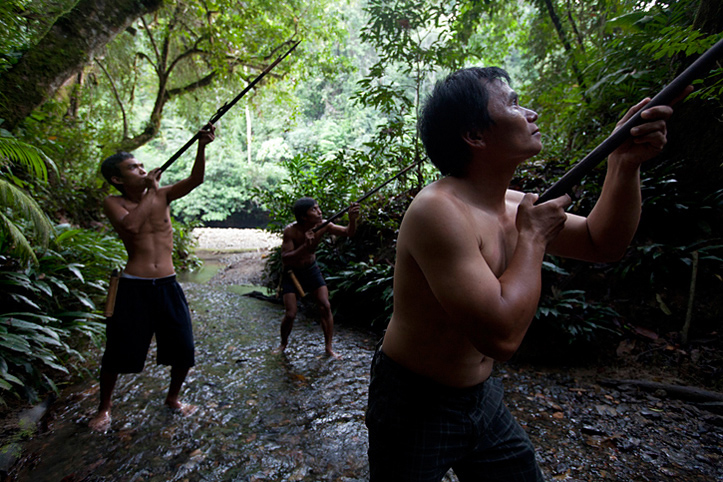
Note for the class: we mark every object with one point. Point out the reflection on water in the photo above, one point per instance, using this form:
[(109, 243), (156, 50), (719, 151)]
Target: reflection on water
[(246, 289), (203, 274), (292, 417)]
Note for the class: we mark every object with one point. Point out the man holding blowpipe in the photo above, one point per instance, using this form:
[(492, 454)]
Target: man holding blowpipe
[(301, 272), (467, 281), (149, 299)]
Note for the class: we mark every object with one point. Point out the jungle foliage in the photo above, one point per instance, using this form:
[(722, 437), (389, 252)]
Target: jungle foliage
[(332, 121), (582, 66)]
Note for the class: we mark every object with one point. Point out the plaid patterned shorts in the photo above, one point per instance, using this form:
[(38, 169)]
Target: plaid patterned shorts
[(419, 429)]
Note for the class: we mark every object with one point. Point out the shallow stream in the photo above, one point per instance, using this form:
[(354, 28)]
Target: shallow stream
[(297, 416)]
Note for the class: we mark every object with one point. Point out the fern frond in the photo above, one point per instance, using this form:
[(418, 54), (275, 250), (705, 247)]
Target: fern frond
[(25, 207), (30, 157), (18, 242)]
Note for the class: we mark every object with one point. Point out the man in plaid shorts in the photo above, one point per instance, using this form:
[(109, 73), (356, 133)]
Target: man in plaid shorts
[(467, 281)]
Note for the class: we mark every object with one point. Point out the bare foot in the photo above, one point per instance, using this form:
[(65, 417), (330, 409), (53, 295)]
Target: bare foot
[(279, 349), (101, 421), (331, 353), (185, 409)]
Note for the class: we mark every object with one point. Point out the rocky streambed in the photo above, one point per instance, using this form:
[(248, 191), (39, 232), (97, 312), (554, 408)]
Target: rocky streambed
[(299, 416)]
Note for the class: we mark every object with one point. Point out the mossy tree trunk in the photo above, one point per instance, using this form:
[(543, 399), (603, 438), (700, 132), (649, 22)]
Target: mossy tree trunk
[(63, 52)]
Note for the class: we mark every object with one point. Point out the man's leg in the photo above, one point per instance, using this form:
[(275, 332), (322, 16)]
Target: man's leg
[(288, 322), (413, 435), (504, 452), (101, 421), (513, 460), (178, 376), (174, 339), (327, 319)]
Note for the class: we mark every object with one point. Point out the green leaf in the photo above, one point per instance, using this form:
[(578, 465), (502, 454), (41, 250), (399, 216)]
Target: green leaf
[(15, 343), (13, 379), (663, 307), (5, 386), (75, 269), (25, 300)]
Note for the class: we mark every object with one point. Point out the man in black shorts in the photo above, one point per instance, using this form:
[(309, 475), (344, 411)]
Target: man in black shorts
[(143, 307), (298, 255), (149, 298)]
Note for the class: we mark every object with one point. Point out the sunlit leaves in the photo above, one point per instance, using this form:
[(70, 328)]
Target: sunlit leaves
[(16, 205)]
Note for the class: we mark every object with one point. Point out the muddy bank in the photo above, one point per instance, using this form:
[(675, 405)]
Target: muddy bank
[(233, 256), (234, 240)]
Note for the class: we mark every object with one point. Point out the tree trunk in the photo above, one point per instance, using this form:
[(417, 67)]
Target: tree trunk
[(709, 16), (562, 35), (63, 52)]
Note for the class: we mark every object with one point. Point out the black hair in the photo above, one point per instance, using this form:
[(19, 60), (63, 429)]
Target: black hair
[(301, 206), (109, 168), (457, 105)]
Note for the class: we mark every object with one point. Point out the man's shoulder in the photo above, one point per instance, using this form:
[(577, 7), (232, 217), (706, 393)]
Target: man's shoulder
[(435, 197), (292, 229), (115, 199), (434, 211)]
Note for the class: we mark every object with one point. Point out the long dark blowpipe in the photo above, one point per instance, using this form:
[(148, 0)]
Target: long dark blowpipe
[(226, 107), (669, 93), (366, 195)]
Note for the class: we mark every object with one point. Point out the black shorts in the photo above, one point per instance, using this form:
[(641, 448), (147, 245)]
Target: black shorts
[(144, 307), (419, 429), (309, 277)]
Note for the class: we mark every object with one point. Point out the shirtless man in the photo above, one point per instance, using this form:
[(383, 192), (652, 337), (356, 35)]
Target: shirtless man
[(149, 298), (298, 255), (467, 281)]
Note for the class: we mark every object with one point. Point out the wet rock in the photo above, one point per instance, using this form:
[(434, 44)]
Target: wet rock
[(588, 430), (652, 415), (628, 443)]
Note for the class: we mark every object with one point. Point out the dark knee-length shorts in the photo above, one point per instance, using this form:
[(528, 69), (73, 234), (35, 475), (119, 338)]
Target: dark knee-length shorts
[(419, 429), (309, 277), (145, 307)]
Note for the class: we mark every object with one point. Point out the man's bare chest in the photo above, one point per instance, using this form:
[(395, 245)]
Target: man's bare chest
[(157, 220), (497, 238)]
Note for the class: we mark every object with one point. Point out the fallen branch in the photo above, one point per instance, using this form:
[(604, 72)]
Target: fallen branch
[(681, 392)]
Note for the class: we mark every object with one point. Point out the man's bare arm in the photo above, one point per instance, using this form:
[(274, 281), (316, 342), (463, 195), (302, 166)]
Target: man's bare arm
[(607, 231), (350, 229), (195, 179), (291, 254), (130, 221), (493, 312)]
